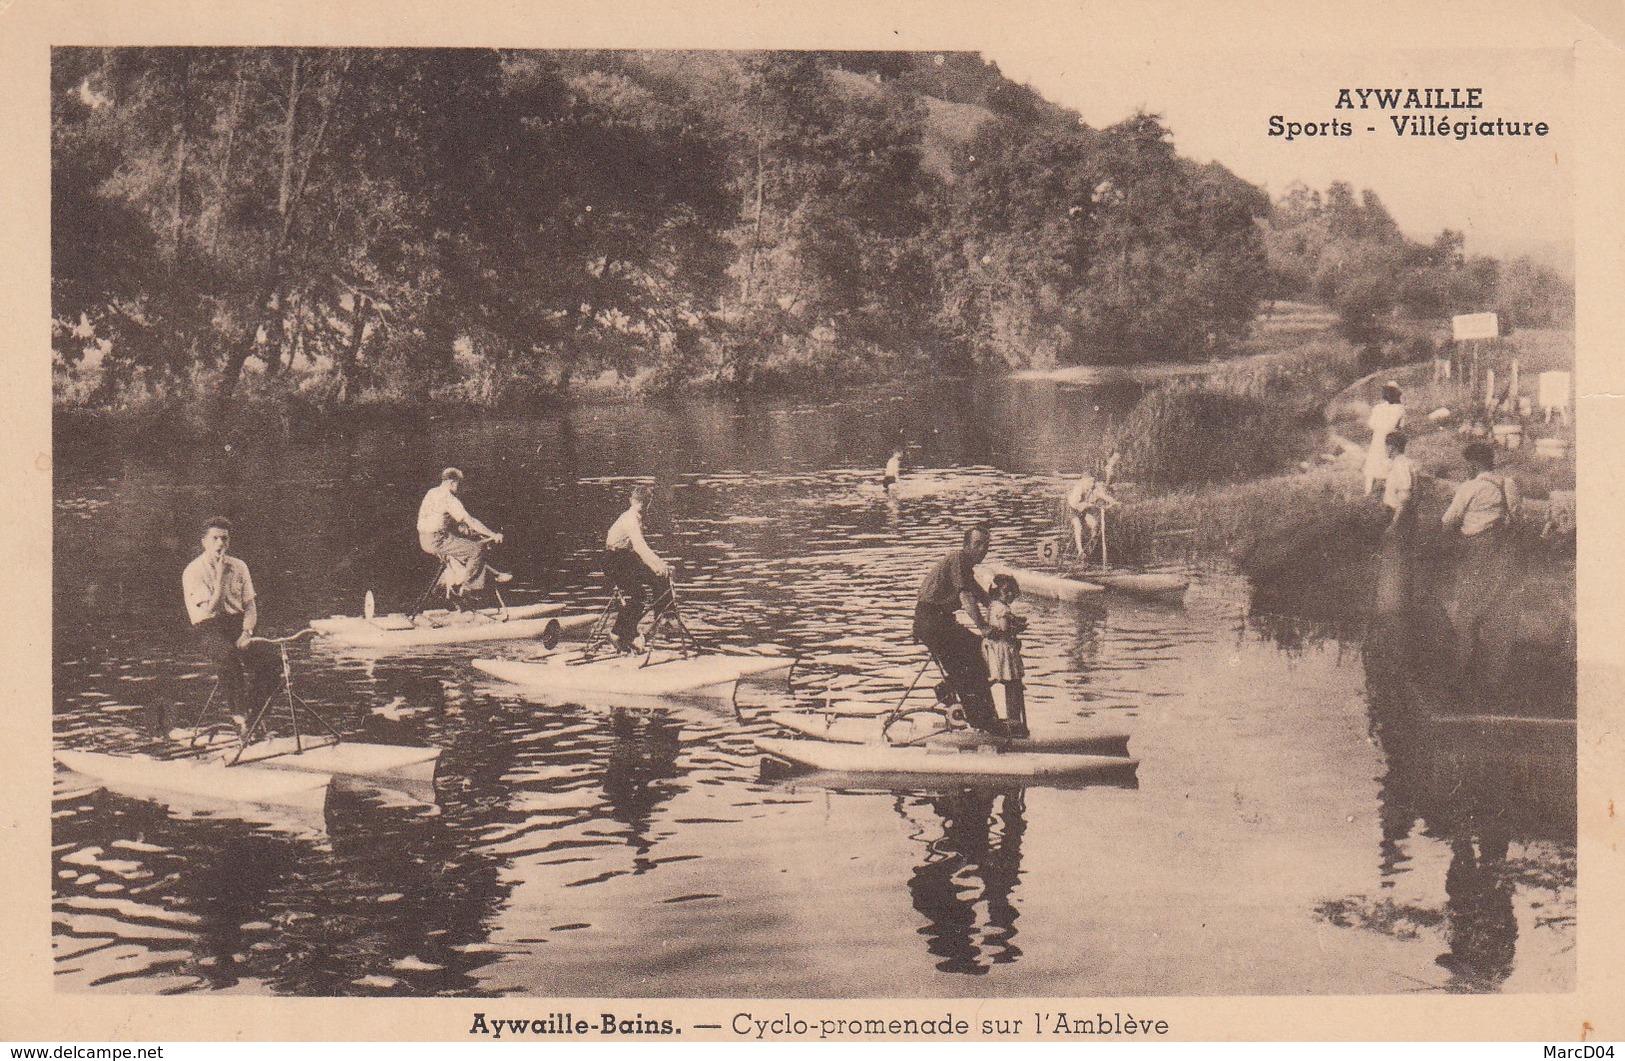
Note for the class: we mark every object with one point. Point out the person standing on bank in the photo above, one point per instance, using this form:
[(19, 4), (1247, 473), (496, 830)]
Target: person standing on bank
[(1399, 489), (1387, 416), (1482, 510), (220, 601), (1392, 599), (633, 568), (949, 585), (447, 532)]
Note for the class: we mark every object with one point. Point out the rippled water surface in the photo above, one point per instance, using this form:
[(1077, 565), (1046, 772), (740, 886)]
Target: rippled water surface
[(1296, 827)]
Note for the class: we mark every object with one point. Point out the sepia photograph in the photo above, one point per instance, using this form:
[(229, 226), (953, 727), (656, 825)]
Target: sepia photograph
[(538, 518)]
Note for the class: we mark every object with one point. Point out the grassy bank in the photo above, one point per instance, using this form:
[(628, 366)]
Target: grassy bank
[(1309, 538), (1436, 444), (1310, 542), (1235, 425)]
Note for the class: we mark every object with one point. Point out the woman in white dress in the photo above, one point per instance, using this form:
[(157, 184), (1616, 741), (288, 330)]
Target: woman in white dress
[(1387, 416)]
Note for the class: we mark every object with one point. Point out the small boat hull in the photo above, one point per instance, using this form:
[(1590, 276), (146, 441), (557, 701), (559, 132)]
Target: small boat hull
[(1041, 584), (921, 728), (208, 778), (1158, 585), (442, 627), (937, 761), (709, 675)]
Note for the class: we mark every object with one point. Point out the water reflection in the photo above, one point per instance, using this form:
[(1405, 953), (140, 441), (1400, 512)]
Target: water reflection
[(1265, 764), (964, 887), (643, 754), (386, 900), (232, 884), (403, 905), (1477, 781), (1481, 928)]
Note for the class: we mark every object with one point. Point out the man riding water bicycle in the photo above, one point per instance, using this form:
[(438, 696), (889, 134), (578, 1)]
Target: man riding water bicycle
[(949, 586), (221, 603), (634, 569), (449, 533)]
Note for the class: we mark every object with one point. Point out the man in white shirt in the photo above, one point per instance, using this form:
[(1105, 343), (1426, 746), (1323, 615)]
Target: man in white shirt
[(220, 601), (1483, 510), (1487, 503), (449, 533), (1399, 489), (633, 568)]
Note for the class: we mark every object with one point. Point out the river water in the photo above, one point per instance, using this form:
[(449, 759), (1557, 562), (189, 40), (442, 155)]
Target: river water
[(1297, 826)]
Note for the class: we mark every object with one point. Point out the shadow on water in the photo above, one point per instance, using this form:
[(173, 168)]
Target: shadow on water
[(642, 755), (1399, 597), (1481, 772), (379, 902), (965, 886), (582, 851)]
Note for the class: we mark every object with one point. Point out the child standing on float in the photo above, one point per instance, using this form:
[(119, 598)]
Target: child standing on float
[(1001, 647)]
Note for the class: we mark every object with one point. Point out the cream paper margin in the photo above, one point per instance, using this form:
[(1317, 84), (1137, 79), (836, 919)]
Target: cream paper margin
[(1592, 30)]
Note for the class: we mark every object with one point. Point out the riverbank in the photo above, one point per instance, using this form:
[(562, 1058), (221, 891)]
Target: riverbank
[(1311, 540), (1287, 344), (1279, 332), (1441, 415)]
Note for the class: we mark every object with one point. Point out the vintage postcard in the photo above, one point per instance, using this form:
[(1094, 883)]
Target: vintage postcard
[(942, 521)]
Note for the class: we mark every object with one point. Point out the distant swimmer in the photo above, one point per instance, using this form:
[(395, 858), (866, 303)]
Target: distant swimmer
[(448, 532), (894, 470)]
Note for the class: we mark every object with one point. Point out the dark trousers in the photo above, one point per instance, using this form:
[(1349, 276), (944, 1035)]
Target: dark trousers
[(464, 560), (630, 575), (960, 653), (1394, 560), (1015, 708), (1485, 578), (245, 681)]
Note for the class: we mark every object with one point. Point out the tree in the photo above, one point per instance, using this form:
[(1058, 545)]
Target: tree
[(368, 207), (826, 171)]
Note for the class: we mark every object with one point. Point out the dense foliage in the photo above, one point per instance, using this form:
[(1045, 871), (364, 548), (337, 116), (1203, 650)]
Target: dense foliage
[(1348, 253), (484, 226)]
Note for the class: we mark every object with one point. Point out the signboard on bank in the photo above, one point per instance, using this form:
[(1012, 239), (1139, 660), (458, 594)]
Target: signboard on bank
[(1474, 326)]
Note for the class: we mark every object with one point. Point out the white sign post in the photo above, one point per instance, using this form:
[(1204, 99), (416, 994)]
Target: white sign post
[(1474, 326)]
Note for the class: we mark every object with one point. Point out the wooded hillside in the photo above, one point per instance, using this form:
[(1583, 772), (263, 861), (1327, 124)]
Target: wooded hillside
[(489, 226)]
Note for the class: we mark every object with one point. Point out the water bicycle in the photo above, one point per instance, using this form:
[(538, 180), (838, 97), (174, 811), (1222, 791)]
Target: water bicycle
[(670, 663), (449, 624), (1065, 582), (933, 739), (219, 759)]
